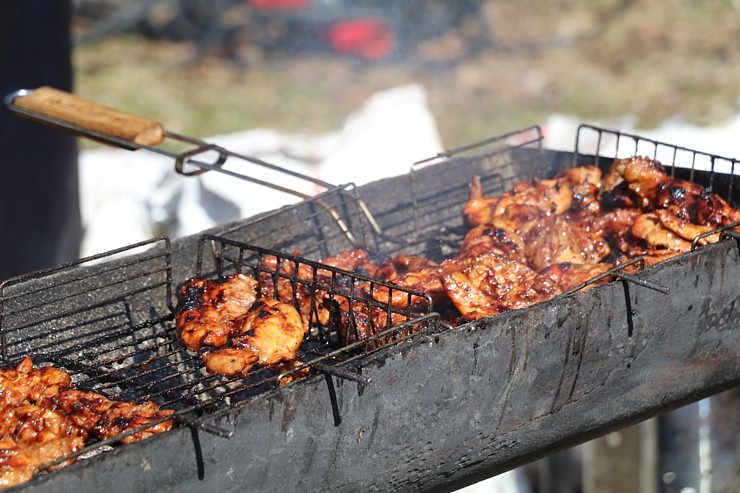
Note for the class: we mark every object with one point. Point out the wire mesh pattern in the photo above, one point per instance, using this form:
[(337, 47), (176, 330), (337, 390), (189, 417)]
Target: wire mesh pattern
[(605, 145), (110, 323)]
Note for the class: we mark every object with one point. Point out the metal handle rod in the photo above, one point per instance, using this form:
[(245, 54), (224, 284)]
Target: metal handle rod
[(642, 282)]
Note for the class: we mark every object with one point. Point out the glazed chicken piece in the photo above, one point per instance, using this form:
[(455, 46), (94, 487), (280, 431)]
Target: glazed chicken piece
[(575, 188), (586, 184), (550, 239), (272, 330), (688, 210), (206, 309), (360, 320), (650, 228), (17, 464), (123, 416), (293, 282), (633, 182), (616, 223), (356, 260), (19, 459), (490, 284), (413, 272), (549, 196), (39, 436), (103, 418), (567, 275), (560, 239), (517, 219), (43, 418), (488, 238), (25, 384), (479, 208), (269, 333)]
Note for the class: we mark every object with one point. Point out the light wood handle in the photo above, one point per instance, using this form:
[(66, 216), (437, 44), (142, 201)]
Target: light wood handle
[(68, 108)]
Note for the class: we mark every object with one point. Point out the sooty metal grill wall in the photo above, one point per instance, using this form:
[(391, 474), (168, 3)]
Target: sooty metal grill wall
[(446, 408)]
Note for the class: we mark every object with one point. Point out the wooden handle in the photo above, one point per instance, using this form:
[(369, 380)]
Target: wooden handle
[(68, 108)]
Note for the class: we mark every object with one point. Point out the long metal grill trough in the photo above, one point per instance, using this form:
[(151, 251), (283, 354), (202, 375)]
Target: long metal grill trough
[(109, 324), (446, 409)]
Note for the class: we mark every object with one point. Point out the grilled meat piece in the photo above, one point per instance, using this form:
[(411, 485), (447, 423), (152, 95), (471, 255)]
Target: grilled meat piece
[(633, 182), (296, 283), (479, 208), (558, 239), (550, 196), (413, 272), (360, 320), (43, 419), (269, 333), (490, 284), (272, 330), (553, 196), (25, 384), (103, 418), (650, 227), (586, 184), (17, 465), (689, 210), (488, 238), (44, 434), (229, 361), (206, 309), (567, 275)]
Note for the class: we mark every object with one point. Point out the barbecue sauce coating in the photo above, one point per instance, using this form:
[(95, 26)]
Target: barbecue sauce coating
[(44, 418), (206, 309), (541, 238), (536, 240), (269, 333)]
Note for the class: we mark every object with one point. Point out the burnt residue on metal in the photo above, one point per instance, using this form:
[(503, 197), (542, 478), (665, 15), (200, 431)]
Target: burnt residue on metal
[(446, 407)]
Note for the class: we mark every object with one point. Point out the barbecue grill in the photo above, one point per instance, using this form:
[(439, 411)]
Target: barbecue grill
[(419, 406)]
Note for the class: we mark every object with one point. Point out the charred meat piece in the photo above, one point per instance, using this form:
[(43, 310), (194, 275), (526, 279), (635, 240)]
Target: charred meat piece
[(549, 196), (43, 418), (414, 272), (488, 238), (479, 208), (490, 284), (270, 332), (206, 309), (103, 418), (567, 275), (633, 182)]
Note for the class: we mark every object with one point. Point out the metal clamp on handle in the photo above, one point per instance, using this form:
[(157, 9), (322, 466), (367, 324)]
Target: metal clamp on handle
[(70, 113), (84, 118)]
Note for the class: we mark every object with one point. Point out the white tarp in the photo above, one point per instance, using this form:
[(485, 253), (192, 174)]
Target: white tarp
[(131, 196)]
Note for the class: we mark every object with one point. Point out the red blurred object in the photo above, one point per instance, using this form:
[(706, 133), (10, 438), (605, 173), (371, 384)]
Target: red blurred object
[(368, 38), (278, 4)]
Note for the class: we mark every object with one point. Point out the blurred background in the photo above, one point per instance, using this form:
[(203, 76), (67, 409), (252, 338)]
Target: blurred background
[(211, 67)]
